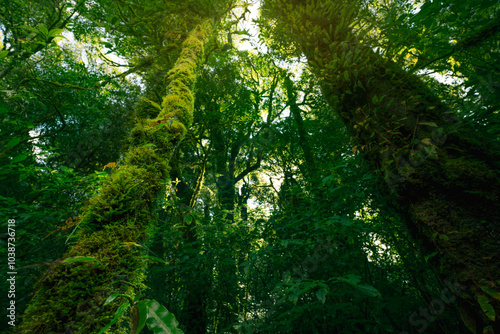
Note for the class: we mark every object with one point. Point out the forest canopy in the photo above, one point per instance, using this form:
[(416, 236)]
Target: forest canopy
[(239, 166)]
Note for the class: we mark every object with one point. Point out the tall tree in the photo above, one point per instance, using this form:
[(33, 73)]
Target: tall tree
[(71, 294), (441, 174)]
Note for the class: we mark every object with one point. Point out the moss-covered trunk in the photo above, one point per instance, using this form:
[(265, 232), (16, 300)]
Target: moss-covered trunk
[(441, 174), (107, 257)]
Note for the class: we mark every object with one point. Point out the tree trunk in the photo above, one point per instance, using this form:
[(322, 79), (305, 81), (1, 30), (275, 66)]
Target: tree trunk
[(440, 173), (106, 258), (310, 163), (193, 314)]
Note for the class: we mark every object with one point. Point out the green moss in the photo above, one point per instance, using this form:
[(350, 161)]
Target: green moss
[(74, 293)]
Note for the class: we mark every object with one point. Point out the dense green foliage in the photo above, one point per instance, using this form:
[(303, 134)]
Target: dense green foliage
[(341, 176)]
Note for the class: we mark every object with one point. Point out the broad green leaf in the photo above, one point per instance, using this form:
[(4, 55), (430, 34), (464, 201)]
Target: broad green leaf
[(112, 297), (55, 33), (369, 290), (43, 29), (13, 142), (492, 292), (160, 320), (188, 219), (487, 308), (321, 295), (118, 314), (143, 315), (4, 54), (19, 158)]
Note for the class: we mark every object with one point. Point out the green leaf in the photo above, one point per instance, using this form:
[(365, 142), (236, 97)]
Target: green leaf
[(55, 33), (432, 124), (159, 126), (492, 292), (137, 297), (13, 142), (425, 10), (321, 295), (160, 320), (188, 219), (143, 315), (429, 256), (369, 290), (4, 54), (36, 31), (43, 29), (19, 158), (351, 279), (487, 308), (118, 314), (111, 298)]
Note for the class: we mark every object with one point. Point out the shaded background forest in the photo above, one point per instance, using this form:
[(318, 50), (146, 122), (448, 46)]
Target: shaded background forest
[(279, 216)]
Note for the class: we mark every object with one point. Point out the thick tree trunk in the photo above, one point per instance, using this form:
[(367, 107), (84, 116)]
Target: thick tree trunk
[(440, 173), (106, 258)]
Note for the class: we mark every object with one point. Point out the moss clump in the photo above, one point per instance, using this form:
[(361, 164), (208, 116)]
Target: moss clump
[(74, 293), (128, 194)]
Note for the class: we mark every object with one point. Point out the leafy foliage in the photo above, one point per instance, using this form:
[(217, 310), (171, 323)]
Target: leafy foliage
[(342, 178)]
